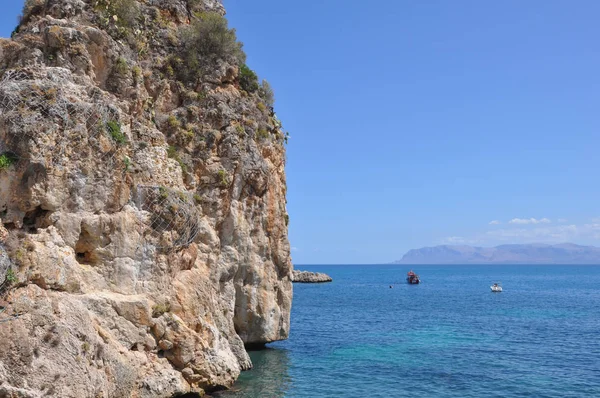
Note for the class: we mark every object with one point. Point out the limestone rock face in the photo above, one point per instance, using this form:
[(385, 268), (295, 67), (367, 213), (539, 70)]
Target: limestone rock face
[(310, 277), (143, 234)]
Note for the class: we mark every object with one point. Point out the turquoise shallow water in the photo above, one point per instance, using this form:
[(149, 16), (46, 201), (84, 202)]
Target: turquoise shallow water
[(448, 337)]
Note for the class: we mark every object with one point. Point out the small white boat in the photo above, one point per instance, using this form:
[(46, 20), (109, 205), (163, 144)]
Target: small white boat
[(496, 288)]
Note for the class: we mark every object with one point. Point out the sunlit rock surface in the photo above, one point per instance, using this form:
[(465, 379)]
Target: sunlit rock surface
[(144, 228)]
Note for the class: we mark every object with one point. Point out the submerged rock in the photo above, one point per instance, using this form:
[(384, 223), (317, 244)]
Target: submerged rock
[(310, 277)]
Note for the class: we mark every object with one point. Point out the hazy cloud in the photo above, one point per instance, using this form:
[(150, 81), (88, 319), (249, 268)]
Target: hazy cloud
[(453, 240), (529, 221), (295, 249), (459, 240), (562, 233), (523, 231), (550, 234), (562, 220), (593, 230), (495, 222)]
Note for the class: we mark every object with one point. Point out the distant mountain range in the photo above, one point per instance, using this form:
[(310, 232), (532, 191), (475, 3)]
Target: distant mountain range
[(564, 253)]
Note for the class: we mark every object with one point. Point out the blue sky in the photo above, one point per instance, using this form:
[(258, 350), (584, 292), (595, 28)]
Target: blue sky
[(416, 123)]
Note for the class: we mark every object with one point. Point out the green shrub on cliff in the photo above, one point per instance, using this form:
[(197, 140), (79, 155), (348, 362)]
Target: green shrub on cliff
[(262, 133), (121, 66), (248, 79), (249, 82), (127, 11), (6, 160), (172, 153), (159, 309), (223, 178), (266, 93), (127, 163), (123, 12), (10, 277), (206, 41), (30, 7), (114, 129)]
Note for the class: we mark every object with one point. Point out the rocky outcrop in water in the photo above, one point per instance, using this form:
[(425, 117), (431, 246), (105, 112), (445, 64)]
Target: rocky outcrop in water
[(142, 202), (310, 277)]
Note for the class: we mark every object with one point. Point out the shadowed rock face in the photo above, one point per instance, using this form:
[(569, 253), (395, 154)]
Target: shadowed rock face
[(310, 277), (143, 217)]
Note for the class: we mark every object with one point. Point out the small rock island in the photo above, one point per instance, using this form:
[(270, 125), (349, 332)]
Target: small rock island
[(310, 277)]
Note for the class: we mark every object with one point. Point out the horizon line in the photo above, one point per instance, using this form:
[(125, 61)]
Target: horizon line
[(416, 264)]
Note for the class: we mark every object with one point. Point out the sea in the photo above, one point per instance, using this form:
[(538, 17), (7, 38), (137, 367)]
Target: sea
[(370, 334)]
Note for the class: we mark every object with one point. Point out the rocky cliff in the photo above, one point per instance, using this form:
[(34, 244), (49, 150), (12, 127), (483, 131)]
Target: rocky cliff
[(143, 239)]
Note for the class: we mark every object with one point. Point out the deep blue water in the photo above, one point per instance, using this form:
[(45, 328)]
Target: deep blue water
[(448, 337)]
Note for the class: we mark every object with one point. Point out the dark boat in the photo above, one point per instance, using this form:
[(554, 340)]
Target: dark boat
[(412, 278)]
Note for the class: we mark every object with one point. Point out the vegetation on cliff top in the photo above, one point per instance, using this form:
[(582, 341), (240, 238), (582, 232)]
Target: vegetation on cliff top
[(207, 41)]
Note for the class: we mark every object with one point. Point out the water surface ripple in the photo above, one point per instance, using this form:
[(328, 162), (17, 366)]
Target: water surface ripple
[(448, 337)]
